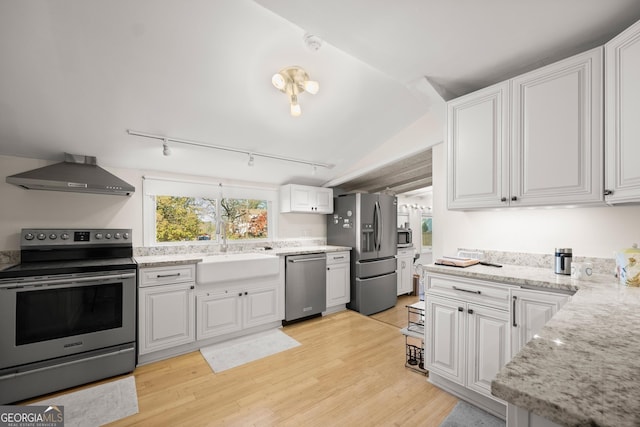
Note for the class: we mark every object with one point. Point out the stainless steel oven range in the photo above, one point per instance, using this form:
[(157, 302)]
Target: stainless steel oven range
[(67, 311)]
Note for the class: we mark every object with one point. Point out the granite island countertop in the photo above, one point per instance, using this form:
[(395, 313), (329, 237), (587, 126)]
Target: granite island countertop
[(583, 368)]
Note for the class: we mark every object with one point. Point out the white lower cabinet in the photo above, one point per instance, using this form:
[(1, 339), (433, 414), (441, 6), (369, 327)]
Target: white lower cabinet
[(469, 343), (177, 316), (224, 311), (405, 271), (467, 337), (338, 279), (166, 309), (529, 312)]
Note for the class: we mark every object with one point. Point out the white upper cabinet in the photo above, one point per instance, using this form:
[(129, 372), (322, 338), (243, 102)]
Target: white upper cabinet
[(622, 123), (556, 134), (478, 151), (306, 199), (534, 140)]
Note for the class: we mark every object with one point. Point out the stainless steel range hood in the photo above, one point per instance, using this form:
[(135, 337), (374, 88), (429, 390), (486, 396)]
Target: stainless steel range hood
[(79, 174)]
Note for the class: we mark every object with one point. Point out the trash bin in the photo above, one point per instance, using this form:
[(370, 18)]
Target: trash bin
[(416, 284)]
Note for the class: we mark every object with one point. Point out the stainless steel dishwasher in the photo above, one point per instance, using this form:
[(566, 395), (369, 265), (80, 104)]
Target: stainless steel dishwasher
[(305, 286)]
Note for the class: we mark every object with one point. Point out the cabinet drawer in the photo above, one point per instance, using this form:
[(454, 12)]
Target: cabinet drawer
[(490, 294), (337, 257), (166, 275)]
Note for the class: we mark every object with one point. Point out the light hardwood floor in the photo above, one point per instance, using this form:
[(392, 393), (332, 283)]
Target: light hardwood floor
[(349, 371)]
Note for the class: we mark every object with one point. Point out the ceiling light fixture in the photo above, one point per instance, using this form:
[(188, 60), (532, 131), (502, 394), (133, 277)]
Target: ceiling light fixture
[(252, 154), (292, 81), (250, 163)]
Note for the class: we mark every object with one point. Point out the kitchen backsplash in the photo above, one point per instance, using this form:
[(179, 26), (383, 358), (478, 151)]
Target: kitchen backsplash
[(600, 265), (215, 249)]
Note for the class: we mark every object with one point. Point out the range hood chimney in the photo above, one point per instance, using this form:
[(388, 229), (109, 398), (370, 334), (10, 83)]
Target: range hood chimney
[(79, 174)]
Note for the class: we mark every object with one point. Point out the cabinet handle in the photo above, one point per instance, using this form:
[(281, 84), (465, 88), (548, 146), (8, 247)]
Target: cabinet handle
[(193, 287), (504, 199), (470, 311), (240, 294), (608, 192), (246, 293), (160, 276), (515, 298), (338, 257), (460, 309), (514, 198), (455, 288)]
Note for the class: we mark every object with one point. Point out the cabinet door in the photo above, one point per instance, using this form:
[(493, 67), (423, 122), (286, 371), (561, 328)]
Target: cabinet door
[(219, 313), (488, 346), (529, 312), (478, 156), (405, 284), (622, 125), (303, 198), (338, 284), (444, 338), (324, 200), (167, 317), (556, 142), (260, 306)]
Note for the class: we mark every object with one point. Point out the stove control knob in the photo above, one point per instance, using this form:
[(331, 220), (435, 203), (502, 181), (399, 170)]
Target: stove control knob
[(125, 236), (64, 236), (98, 236), (41, 236), (117, 235), (108, 235), (29, 236), (53, 236)]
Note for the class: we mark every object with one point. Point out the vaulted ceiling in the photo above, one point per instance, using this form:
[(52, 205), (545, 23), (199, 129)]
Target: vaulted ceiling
[(76, 74)]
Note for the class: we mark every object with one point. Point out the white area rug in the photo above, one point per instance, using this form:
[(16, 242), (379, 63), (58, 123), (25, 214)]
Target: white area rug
[(236, 352), (466, 415), (99, 405)]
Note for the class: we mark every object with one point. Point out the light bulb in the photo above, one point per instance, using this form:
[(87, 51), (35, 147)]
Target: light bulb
[(278, 81), (295, 107), (311, 86)]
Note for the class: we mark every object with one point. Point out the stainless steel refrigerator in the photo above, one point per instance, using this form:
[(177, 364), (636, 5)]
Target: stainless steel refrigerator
[(368, 223)]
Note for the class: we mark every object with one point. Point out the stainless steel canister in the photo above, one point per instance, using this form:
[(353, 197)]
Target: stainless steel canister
[(563, 260)]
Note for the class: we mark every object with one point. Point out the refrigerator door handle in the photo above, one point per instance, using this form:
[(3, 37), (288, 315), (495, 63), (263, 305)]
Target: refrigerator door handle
[(375, 226), (379, 225)]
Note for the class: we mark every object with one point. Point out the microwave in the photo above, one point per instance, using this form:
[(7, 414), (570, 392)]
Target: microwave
[(404, 238)]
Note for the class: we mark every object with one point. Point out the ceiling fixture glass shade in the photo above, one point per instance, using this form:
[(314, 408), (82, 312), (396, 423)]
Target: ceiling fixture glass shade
[(293, 81)]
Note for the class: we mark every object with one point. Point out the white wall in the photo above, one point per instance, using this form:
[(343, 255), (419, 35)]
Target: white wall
[(20, 208), (593, 232)]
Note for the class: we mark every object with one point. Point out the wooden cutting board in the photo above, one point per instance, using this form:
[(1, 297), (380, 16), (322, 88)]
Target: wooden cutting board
[(456, 262)]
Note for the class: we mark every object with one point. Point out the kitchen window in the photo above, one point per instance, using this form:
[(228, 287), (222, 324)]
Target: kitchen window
[(426, 226), (184, 212)]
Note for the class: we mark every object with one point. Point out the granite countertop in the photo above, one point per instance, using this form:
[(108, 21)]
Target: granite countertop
[(167, 260), (182, 259), (583, 368)]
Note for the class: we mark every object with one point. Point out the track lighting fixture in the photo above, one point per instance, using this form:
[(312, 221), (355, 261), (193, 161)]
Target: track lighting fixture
[(292, 81), (166, 150)]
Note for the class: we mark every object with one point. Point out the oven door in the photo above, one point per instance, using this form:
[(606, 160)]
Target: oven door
[(46, 318)]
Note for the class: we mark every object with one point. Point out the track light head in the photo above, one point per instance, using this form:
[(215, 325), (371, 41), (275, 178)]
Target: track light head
[(166, 151)]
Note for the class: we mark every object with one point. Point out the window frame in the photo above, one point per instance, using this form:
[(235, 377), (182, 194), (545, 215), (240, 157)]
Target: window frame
[(157, 186)]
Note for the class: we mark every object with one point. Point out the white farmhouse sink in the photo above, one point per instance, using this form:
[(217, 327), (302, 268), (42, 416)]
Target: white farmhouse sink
[(230, 267)]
